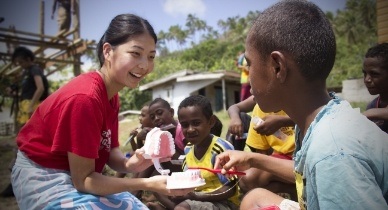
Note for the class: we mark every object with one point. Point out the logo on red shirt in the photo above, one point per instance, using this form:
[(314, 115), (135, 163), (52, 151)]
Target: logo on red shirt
[(106, 140)]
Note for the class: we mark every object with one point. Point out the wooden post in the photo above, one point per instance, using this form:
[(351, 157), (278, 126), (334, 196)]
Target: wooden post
[(382, 20), (223, 93), (42, 24), (76, 35)]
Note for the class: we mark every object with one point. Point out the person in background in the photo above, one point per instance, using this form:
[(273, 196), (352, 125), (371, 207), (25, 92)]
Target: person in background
[(64, 9), (341, 157), (375, 69), (196, 117), (34, 84), (34, 89), (244, 80), (73, 134), (162, 116)]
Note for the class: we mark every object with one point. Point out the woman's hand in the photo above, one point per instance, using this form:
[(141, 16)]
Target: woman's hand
[(159, 184), (137, 162)]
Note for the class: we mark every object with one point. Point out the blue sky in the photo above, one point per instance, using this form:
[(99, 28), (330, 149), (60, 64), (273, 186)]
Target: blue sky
[(96, 14)]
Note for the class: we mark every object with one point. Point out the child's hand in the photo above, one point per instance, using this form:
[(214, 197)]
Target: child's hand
[(236, 127), (134, 132), (269, 125), (232, 160), (141, 136)]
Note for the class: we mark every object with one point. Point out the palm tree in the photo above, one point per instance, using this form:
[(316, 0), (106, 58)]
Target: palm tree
[(195, 25), (178, 35)]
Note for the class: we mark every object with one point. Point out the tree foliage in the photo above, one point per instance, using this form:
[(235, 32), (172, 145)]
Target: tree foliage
[(356, 31)]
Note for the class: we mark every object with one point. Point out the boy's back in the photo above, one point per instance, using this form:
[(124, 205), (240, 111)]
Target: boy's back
[(342, 146)]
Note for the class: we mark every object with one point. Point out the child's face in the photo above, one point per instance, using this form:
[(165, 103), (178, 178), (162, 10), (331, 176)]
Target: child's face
[(144, 117), (375, 76), (262, 79), (160, 115), (195, 126)]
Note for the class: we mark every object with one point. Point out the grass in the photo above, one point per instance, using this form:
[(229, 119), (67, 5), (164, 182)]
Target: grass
[(361, 105)]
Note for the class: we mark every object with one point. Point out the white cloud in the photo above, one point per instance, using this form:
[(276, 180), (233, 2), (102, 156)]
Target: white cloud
[(184, 7)]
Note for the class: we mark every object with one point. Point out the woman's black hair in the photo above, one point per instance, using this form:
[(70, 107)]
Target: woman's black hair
[(122, 28)]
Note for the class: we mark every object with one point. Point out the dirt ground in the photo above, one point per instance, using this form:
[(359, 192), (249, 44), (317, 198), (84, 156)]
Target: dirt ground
[(7, 144)]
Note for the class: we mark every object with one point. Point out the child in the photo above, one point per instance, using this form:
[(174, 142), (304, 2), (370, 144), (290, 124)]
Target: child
[(341, 157), (162, 116), (375, 69), (195, 114), (261, 139)]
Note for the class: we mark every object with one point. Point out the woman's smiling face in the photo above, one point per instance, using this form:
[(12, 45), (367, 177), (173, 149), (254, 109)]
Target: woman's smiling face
[(132, 61)]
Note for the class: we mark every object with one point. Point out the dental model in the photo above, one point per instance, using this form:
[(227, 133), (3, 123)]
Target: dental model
[(188, 179), (159, 144)]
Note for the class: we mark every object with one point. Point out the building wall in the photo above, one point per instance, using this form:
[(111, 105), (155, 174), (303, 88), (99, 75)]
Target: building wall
[(355, 91), (174, 93)]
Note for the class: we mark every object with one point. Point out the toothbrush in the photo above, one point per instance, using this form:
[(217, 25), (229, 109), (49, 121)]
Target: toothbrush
[(217, 171)]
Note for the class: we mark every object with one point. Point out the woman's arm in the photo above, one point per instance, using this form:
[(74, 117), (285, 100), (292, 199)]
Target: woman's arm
[(86, 180)]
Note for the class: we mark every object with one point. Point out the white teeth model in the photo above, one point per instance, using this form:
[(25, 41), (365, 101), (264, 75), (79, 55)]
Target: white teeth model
[(158, 144), (188, 179)]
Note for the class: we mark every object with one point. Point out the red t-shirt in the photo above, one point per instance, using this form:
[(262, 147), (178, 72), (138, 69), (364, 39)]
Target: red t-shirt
[(77, 118)]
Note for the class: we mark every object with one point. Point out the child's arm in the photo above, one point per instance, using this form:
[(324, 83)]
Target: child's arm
[(235, 124), (377, 113), (272, 123)]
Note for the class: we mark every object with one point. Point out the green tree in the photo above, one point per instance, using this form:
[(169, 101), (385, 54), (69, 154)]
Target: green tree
[(356, 30), (195, 26)]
